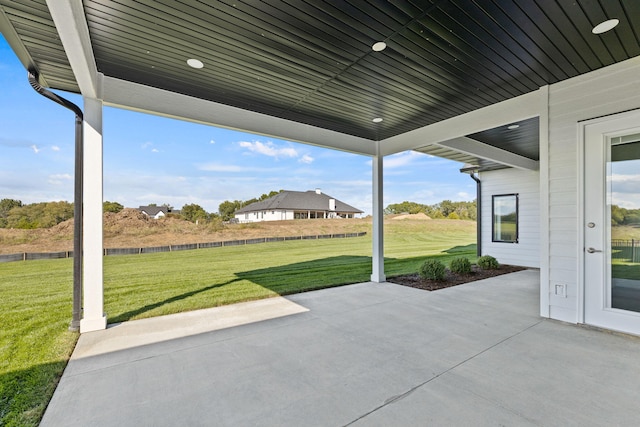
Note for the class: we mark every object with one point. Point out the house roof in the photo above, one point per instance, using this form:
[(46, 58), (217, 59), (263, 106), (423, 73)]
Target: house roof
[(298, 200), (153, 210), (308, 68)]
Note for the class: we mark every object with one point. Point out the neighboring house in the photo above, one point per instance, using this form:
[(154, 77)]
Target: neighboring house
[(156, 212), (296, 205)]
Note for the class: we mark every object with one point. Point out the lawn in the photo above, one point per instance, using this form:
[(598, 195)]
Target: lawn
[(35, 296)]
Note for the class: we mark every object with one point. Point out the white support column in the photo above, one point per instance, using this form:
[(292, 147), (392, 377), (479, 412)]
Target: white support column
[(377, 256), (93, 293)]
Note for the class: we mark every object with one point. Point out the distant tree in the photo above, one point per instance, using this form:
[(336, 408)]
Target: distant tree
[(193, 212), (453, 215), (114, 207), (40, 215), (444, 209), (5, 206), (617, 215), (268, 196), (228, 208), (406, 207)]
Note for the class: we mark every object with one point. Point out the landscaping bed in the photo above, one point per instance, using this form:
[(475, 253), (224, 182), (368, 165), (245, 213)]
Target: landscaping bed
[(451, 279)]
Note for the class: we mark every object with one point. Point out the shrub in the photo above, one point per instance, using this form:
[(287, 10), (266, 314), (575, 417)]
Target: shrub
[(487, 262), (460, 265), (432, 269)]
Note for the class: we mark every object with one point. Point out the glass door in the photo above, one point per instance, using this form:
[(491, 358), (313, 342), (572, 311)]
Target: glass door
[(623, 203), (611, 228)]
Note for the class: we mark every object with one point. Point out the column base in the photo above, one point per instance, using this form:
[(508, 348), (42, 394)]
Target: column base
[(378, 278), (90, 325)]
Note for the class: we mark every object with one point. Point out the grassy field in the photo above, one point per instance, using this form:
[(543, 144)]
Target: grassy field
[(625, 232), (35, 296)]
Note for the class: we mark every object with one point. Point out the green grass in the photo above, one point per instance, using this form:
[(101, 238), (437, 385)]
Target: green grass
[(625, 270), (35, 296), (34, 341)]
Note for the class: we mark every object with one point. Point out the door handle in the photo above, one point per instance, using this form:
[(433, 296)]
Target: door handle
[(591, 250)]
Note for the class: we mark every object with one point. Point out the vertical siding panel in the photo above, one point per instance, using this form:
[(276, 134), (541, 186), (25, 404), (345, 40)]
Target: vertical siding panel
[(606, 91), (526, 184)]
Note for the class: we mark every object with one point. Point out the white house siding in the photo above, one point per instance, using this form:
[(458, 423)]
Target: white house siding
[(527, 185), (607, 91), (275, 215)]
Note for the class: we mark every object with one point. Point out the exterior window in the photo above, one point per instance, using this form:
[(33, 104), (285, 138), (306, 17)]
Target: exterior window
[(504, 211)]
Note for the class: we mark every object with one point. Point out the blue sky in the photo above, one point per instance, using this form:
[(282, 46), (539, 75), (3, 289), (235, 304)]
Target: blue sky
[(151, 159)]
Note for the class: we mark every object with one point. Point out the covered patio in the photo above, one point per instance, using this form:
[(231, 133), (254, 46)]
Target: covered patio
[(363, 354), (505, 86)]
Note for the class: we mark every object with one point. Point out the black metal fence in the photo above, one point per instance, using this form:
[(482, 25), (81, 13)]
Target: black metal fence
[(627, 250), (174, 248)]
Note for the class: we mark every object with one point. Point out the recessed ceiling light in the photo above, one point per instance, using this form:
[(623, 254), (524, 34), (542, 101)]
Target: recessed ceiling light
[(512, 127), (377, 120), (379, 46), (195, 63), (605, 26)]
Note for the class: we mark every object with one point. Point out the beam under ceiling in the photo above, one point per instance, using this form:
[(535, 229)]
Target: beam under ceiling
[(72, 27), (489, 152), (512, 110), (134, 96)]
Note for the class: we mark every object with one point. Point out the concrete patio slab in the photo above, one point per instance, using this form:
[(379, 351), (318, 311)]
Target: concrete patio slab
[(366, 354)]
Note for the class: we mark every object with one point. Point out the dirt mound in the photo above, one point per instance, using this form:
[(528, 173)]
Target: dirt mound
[(130, 228), (127, 217), (62, 228), (418, 216)]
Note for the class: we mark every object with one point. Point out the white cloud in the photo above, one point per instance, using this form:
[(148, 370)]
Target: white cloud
[(59, 179), (35, 148), (155, 150), (269, 149), (55, 148), (402, 159), (307, 159), (212, 142), (146, 145)]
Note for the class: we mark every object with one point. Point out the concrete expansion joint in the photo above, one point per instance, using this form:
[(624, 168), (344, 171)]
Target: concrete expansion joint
[(396, 398)]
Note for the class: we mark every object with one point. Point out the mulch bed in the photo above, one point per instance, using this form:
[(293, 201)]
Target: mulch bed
[(452, 279)]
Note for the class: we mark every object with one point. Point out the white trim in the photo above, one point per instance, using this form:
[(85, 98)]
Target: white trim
[(509, 111), (377, 256), (485, 151), (544, 201), (72, 27), (146, 99), (92, 242), (580, 290)]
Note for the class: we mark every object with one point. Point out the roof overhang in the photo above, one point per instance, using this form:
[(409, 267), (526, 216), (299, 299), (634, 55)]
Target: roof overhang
[(454, 73)]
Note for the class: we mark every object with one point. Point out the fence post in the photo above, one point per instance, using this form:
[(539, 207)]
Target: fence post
[(633, 250)]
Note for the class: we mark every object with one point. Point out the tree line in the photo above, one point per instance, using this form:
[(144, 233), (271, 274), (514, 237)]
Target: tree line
[(623, 216), (15, 214), (444, 209)]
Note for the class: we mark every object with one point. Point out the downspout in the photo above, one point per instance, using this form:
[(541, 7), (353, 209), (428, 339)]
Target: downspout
[(77, 203), (473, 176)]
